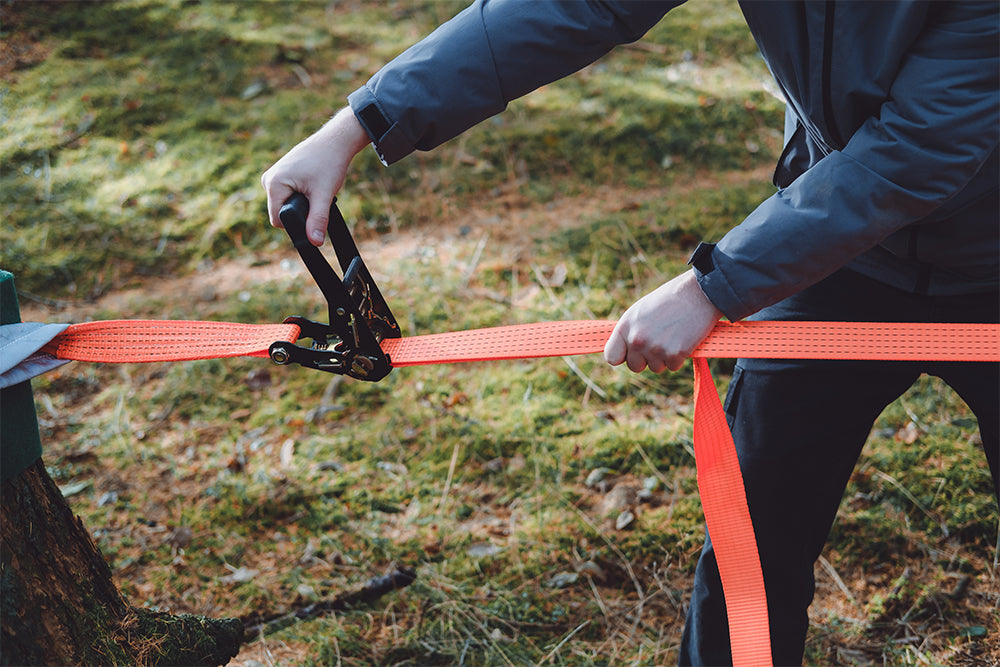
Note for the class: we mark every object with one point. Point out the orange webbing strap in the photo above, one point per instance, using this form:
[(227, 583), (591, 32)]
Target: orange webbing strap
[(883, 341), (517, 341), (719, 480), (727, 516), (769, 340), (128, 341)]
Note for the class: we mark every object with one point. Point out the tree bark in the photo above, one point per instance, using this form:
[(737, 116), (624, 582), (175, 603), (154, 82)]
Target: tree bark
[(59, 605)]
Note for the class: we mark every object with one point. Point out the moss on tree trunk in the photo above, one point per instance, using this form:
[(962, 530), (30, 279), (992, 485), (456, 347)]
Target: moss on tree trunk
[(59, 605)]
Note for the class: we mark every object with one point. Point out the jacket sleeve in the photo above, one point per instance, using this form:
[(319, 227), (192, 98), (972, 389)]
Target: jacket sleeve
[(492, 52), (935, 130)]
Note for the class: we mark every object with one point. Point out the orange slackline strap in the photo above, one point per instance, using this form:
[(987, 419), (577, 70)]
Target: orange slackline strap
[(127, 341), (719, 480), (517, 341), (771, 340), (727, 516)]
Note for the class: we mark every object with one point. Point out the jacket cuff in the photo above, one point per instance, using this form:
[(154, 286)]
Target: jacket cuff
[(705, 262), (387, 136)]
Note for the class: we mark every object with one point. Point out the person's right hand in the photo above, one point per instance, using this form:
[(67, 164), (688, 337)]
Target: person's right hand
[(663, 328), (316, 167)]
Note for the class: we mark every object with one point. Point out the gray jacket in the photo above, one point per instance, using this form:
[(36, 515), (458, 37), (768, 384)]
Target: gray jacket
[(890, 164)]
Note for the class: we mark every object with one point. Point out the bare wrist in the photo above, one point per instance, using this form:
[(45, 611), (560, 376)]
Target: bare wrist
[(344, 130), (697, 293)]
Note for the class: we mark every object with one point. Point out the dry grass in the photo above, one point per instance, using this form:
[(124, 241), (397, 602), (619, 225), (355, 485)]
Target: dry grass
[(236, 488)]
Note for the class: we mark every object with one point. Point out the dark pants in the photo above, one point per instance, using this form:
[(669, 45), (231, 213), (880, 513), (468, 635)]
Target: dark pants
[(799, 427)]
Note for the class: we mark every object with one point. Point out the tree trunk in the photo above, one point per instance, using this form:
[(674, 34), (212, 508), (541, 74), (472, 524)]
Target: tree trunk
[(59, 606)]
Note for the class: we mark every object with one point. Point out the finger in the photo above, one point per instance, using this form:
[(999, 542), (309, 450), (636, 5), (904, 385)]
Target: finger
[(635, 361), (615, 349), (674, 363), (656, 365), (277, 195), (319, 216)]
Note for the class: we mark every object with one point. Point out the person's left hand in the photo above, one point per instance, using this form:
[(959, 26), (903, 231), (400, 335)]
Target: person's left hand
[(663, 328)]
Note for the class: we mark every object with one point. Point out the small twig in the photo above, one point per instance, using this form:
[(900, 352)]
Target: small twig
[(82, 128), (559, 305), (591, 385), (476, 256), (914, 418), (56, 304), (447, 481), (302, 75), (659, 49), (336, 648), (371, 591), (267, 653), (540, 277), (551, 654), (829, 569), (902, 489), (659, 475), (599, 598), (996, 553), (326, 404), (900, 582)]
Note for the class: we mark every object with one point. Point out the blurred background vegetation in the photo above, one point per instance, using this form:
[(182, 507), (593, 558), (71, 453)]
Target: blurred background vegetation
[(550, 508)]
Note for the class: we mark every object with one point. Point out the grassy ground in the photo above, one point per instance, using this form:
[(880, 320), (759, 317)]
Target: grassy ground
[(134, 135)]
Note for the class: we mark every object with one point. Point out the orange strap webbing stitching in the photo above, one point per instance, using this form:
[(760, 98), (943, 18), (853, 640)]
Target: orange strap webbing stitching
[(131, 341), (719, 480), (898, 341)]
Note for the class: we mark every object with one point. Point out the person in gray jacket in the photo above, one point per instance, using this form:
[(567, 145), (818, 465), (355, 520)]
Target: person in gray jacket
[(887, 210)]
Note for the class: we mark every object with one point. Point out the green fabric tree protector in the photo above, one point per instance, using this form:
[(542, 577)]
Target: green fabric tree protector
[(20, 445)]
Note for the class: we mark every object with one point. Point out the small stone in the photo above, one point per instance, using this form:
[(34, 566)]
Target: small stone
[(306, 592), (109, 498), (482, 550), (597, 475), (592, 570), (563, 580)]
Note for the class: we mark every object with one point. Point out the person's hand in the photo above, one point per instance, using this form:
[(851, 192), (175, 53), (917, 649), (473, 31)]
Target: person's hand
[(316, 167), (663, 328)]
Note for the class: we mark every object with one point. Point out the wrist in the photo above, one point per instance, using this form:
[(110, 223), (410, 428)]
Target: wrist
[(697, 295), (344, 131), (713, 283)]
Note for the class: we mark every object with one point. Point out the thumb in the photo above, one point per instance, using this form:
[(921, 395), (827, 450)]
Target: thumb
[(616, 348)]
